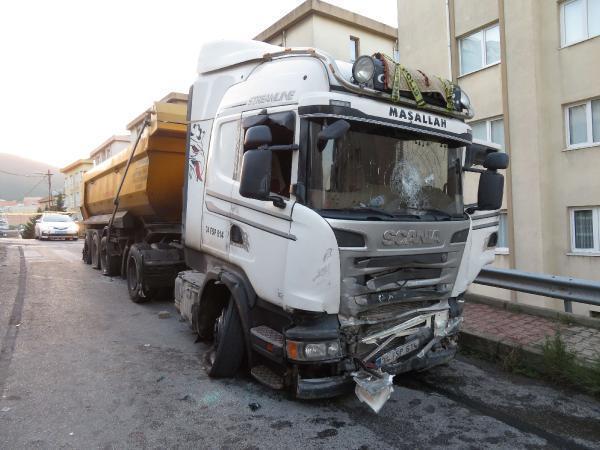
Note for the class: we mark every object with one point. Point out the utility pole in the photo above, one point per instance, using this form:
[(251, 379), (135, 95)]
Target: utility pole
[(49, 175)]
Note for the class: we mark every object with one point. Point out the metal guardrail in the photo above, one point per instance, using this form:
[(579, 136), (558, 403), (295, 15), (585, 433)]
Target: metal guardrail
[(564, 288)]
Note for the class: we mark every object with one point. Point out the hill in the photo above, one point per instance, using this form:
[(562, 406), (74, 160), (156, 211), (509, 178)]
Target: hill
[(16, 187)]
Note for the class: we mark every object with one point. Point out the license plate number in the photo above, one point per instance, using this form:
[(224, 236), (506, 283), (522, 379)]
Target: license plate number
[(400, 351)]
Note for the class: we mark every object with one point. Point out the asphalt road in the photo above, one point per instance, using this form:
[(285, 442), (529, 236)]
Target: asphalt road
[(83, 367)]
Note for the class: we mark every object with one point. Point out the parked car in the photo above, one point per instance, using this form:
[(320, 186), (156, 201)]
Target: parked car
[(56, 226), (4, 228)]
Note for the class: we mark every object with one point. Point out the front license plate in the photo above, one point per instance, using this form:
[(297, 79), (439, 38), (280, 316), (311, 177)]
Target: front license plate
[(400, 351)]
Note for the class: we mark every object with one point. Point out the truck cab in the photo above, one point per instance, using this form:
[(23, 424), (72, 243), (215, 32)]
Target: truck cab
[(324, 221)]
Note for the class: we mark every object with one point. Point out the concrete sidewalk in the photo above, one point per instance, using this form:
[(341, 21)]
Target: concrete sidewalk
[(496, 327)]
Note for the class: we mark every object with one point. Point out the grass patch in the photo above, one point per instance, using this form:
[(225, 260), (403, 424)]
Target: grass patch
[(557, 365), (560, 366)]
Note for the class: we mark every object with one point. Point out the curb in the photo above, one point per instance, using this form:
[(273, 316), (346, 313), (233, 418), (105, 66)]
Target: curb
[(534, 311), (497, 348)]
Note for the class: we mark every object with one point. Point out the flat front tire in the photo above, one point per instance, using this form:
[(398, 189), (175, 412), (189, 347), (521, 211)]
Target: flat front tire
[(227, 352)]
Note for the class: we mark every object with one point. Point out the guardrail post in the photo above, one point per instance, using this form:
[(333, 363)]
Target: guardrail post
[(568, 306)]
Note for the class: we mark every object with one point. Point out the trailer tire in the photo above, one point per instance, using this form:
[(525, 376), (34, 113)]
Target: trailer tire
[(227, 352), (135, 277), (110, 264), (86, 253), (95, 238)]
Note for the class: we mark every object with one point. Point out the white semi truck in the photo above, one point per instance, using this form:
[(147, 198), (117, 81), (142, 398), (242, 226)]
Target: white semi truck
[(324, 224)]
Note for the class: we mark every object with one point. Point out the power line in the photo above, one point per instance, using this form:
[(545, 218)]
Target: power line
[(22, 174), (36, 185)]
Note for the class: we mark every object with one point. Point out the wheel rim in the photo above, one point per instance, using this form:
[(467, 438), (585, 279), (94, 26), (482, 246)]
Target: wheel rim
[(217, 334)]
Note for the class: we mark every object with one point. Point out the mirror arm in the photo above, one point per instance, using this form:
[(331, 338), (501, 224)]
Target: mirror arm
[(277, 201), (470, 169), (280, 148)]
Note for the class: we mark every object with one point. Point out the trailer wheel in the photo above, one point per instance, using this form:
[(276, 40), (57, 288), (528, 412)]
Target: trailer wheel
[(110, 264), (86, 253), (227, 352), (95, 249), (135, 277)]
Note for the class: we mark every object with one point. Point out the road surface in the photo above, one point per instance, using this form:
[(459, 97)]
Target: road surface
[(83, 367)]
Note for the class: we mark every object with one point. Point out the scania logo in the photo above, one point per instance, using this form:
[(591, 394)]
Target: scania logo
[(411, 237)]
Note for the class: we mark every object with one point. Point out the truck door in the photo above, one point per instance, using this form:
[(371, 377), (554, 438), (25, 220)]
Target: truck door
[(260, 231), (216, 211)]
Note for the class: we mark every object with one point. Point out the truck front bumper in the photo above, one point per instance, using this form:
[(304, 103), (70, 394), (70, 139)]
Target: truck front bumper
[(328, 387)]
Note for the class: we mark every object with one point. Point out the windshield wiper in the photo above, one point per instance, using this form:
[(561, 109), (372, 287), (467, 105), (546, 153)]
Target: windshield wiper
[(439, 214), (364, 213), (368, 213)]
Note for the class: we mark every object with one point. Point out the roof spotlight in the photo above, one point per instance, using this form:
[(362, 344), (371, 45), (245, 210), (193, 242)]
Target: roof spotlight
[(363, 69)]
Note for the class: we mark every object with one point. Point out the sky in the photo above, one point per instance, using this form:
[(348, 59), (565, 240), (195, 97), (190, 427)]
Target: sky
[(73, 73)]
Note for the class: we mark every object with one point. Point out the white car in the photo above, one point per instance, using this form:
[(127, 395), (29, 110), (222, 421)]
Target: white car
[(56, 226)]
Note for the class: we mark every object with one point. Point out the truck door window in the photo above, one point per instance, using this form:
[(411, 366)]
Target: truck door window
[(282, 129)]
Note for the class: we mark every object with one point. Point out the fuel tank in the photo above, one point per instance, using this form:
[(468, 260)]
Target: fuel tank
[(154, 183)]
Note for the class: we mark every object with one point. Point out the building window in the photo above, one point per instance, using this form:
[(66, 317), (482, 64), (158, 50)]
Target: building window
[(354, 47), (491, 130), (579, 20), (479, 50), (585, 229), (502, 245), (583, 124)]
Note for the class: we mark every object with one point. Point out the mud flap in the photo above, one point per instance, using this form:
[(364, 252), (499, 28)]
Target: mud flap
[(374, 390)]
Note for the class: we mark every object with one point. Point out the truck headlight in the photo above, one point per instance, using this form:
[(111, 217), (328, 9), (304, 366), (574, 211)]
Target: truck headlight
[(313, 351), (363, 69), (462, 101)]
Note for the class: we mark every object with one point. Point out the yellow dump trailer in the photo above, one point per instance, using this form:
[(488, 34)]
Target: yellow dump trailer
[(154, 182), (142, 242)]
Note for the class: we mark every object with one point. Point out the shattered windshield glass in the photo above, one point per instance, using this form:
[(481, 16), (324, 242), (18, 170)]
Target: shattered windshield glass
[(383, 173)]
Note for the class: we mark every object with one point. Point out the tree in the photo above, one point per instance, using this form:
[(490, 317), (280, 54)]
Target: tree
[(59, 203), (29, 229)]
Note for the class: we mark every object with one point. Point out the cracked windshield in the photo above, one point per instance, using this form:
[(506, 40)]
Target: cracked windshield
[(384, 173)]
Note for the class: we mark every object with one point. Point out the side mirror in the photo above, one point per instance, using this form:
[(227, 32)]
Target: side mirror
[(490, 191), (334, 131), (257, 136), (496, 161), (255, 181)]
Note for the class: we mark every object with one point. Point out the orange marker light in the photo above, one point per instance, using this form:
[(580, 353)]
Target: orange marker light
[(292, 350)]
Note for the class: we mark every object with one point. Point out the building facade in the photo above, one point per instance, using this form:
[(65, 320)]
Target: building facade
[(341, 33), (108, 148), (74, 182), (530, 69)]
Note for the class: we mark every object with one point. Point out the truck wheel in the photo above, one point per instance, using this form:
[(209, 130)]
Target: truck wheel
[(95, 238), (227, 352), (110, 264), (135, 277)]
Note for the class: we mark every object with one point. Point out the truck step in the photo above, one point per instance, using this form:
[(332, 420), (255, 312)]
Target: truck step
[(267, 377), (267, 340)]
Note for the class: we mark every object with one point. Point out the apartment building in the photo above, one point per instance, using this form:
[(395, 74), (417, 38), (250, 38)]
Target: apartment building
[(108, 148), (74, 182), (341, 33), (531, 70)]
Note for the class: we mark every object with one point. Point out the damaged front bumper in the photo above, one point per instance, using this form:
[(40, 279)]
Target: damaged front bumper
[(424, 341)]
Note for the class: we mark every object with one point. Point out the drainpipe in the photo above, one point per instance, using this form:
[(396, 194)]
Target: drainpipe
[(449, 39)]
